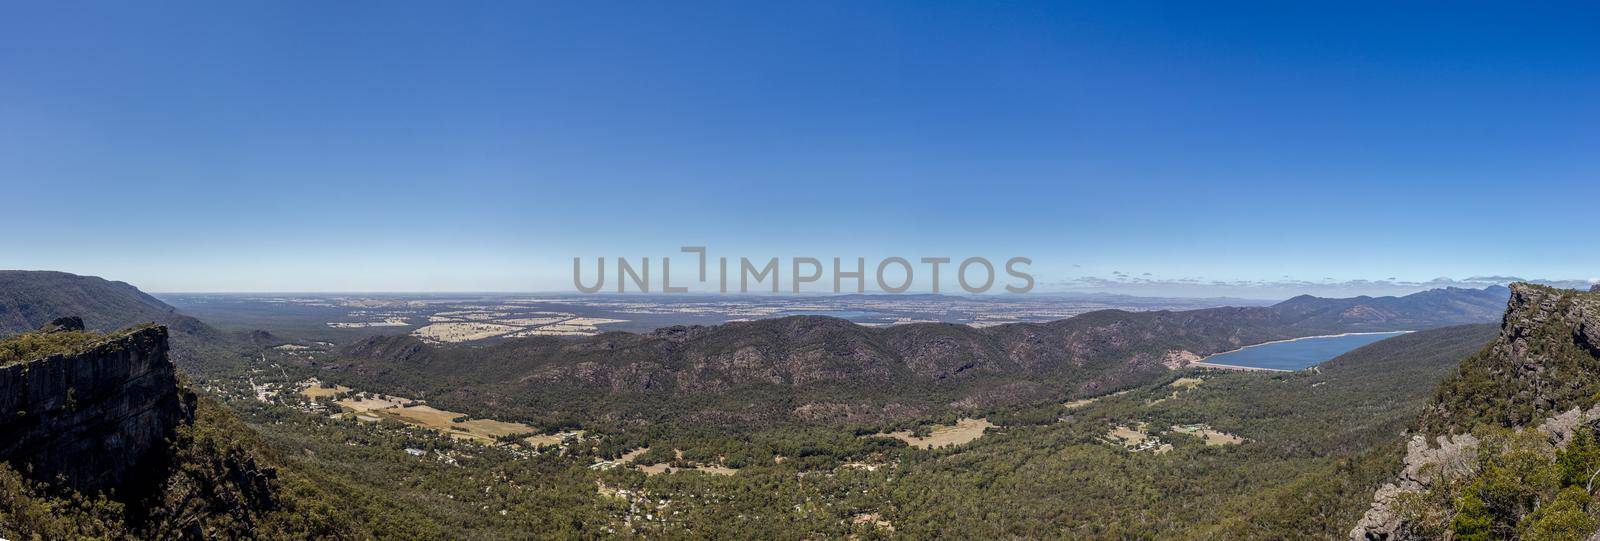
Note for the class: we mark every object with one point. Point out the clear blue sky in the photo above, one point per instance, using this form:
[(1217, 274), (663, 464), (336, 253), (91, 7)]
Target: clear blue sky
[(381, 145)]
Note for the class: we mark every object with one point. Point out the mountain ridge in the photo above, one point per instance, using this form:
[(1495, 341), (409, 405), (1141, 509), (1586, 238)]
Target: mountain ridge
[(1083, 355), (30, 299)]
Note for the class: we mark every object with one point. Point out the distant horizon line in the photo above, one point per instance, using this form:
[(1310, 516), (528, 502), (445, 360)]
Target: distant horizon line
[(714, 294), (1186, 289), (697, 294)]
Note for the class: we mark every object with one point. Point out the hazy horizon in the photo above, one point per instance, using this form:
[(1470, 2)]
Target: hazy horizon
[(1257, 292)]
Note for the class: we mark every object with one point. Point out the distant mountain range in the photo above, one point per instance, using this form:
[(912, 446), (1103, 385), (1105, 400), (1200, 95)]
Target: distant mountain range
[(1417, 311), (807, 366), (911, 367)]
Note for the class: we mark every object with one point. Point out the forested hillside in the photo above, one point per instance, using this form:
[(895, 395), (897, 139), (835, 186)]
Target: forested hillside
[(826, 369), (101, 441), (29, 299)]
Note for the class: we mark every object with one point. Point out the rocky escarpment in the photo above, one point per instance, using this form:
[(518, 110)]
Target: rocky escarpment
[(1542, 370), (93, 417), (1424, 465), (1545, 361), (1450, 459)]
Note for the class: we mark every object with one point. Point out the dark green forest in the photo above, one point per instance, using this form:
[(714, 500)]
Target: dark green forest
[(1316, 443)]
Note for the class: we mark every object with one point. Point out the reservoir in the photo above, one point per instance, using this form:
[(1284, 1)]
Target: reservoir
[(1299, 353)]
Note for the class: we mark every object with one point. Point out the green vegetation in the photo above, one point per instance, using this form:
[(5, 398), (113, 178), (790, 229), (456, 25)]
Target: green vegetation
[(798, 426), (1521, 487), (453, 490), (30, 346), (30, 299), (1489, 389), (215, 480), (27, 508), (1524, 483), (1316, 445)]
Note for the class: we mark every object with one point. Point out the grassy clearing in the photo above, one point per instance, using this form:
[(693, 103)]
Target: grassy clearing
[(1076, 404), (1137, 438), (965, 430), (365, 403), (667, 467), (1178, 386), (1211, 436), (1186, 383), (454, 424), (461, 332), (542, 440), (314, 390), (485, 430)]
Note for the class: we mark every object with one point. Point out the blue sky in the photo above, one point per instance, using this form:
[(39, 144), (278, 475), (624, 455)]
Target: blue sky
[(394, 146)]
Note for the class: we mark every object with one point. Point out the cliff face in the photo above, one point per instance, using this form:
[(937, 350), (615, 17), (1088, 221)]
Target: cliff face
[(1545, 361), (1542, 371), (92, 417)]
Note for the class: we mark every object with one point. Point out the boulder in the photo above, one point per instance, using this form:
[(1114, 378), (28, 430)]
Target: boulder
[(63, 324)]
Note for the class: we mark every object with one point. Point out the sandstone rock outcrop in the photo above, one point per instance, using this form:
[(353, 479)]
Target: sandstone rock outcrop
[(1454, 457), (1543, 363), (1539, 372), (92, 418)]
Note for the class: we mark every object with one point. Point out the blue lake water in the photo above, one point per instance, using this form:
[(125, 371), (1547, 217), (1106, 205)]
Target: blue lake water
[(1297, 354)]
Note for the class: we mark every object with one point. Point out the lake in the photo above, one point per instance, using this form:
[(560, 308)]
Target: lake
[(1297, 354)]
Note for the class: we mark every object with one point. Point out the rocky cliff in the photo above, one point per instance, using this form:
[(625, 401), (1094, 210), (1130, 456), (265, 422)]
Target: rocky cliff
[(92, 417), (1545, 361), (1541, 372)]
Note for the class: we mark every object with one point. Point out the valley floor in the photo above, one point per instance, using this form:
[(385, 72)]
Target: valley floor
[(1199, 455)]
